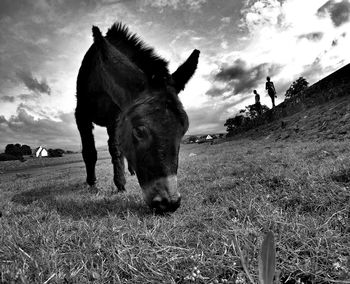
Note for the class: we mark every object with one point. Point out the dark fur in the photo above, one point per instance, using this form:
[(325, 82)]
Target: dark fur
[(137, 51), (123, 85)]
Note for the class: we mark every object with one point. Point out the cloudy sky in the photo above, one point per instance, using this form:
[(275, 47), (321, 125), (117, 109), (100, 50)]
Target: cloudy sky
[(42, 43)]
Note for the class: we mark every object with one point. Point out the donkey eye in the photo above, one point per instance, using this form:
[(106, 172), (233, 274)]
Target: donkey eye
[(140, 132)]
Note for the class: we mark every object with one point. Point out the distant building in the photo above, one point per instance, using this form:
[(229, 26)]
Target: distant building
[(209, 137), (41, 152)]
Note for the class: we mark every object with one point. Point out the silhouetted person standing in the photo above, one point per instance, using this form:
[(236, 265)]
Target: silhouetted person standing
[(257, 103), (271, 90)]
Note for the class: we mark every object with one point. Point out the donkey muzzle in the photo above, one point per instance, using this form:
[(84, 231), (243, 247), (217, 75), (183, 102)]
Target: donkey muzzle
[(162, 194)]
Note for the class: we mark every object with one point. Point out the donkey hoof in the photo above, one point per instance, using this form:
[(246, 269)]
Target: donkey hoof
[(91, 182), (121, 188), (131, 171), (115, 188)]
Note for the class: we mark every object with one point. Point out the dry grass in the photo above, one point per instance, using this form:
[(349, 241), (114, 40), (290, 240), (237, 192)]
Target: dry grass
[(53, 230), (30, 162)]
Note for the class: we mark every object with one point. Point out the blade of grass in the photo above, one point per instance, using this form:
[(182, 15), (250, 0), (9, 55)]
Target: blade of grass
[(245, 268), (267, 259)]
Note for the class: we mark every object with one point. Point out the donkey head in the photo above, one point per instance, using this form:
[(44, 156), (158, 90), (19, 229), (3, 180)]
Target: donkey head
[(150, 132)]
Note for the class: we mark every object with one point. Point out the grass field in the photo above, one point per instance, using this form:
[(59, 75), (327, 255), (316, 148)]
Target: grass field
[(54, 230)]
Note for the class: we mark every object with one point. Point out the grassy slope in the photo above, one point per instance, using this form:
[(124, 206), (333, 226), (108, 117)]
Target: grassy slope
[(53, 230), (330, 120)]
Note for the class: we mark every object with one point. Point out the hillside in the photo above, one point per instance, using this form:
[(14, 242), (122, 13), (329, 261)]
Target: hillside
[(329, 120), (323, 112)]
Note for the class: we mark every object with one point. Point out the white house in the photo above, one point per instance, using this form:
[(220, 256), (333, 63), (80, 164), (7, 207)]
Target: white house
[(41, 152), (209, 138)]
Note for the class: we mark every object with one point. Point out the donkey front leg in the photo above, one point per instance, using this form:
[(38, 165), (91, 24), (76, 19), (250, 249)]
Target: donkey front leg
[(117, 159), (88, 144)]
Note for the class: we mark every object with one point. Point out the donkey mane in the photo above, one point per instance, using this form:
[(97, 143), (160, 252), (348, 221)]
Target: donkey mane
[(137, 51)]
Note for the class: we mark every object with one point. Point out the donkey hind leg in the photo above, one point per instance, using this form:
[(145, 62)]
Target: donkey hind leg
[(117, 159), (89, 151), (131, 170)]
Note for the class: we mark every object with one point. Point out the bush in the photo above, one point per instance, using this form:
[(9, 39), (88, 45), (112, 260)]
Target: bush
[(244, 117), (192, 139), (55, 152), (18, 150), (8, 157), (234, 122), (252, 111), (26, 150), (296, 89), (14, 150)]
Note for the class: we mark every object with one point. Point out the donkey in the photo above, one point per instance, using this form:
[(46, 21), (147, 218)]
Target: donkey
[(124, 86)]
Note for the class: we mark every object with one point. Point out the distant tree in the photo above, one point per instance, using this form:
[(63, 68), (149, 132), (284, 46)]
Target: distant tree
[(26, 150), (192, 139), (234, 122), (14, 150), (296, 88), (9, 148), (245, 115), (8, 157), (55, 152)]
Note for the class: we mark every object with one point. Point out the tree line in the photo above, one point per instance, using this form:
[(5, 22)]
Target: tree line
[(17, 151)]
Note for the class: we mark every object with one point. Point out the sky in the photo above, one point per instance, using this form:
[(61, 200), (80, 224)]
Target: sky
[(42, 44)]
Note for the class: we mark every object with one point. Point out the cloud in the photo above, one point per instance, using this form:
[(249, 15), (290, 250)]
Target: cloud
[(193, 5), (2, 119), (315, 71), (261, 14), (240, 78), (6, 98), (28, 97), (58, 132), (50, 38), (294, 34), (24, 128), (226, 20), (235, 71), (32, 83), (22, 97), (208, 118), (216, 91), (339, 11), (314, 36)]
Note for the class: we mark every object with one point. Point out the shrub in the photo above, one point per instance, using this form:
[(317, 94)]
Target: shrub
[(7, 157), (26, 150), (55, 152), (296, 89), (234, 122), (14, 150), (18, 150)]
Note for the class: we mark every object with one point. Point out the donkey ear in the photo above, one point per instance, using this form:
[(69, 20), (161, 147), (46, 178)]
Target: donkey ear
[(184, 73)]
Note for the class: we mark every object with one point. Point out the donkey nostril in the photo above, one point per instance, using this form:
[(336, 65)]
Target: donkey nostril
[(175, 204), (163, 205), (156, 203), (159, 203)]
